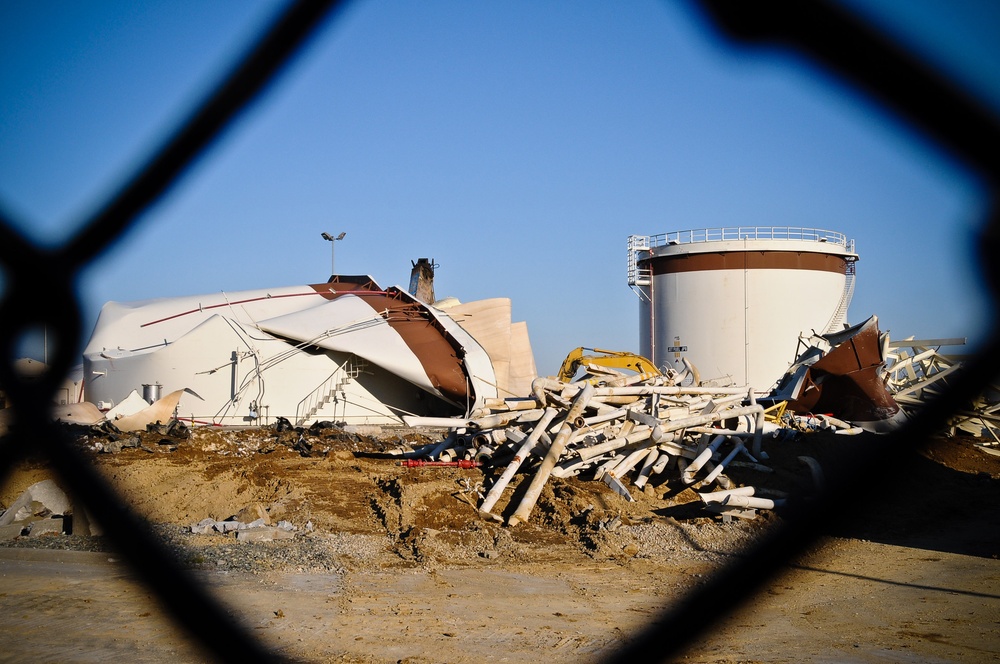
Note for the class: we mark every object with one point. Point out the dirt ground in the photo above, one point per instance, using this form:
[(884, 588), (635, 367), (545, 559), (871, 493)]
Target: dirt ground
[(393, 564)]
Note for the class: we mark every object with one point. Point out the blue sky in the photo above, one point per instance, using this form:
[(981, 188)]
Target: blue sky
[(516, 143)]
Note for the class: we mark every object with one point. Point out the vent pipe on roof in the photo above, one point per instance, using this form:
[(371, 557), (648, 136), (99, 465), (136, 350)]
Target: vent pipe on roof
[(422, 280)]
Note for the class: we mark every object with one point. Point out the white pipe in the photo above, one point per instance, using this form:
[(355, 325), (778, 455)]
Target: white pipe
[(703, 457), (640, 433), (747, 502), (528, 416), (606, 417), (647, 468), (661, 463), (759, 428), (677, 450), (722, 464), (657, 435), (714, 405), (695, 376), (452, 453), (571, 467), (514, 435), (684, 423), (606, 467), (721, 480), (450, 439), (719, 496), (682, 465), (447, 422), (625, 466), (642, 417), (564, 390), (497, 489), (412, 452), (625, 380), (550, 460), (484, 453), (511, 404), (833, 422), (499, 420), (721, 432), (621, 400)]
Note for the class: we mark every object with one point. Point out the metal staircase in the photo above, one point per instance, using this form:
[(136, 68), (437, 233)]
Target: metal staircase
[(840, 315), (638, 278), (329, 389)]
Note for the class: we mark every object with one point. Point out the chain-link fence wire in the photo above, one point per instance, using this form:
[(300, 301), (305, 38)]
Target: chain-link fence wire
[(863, 58), (40, 291)]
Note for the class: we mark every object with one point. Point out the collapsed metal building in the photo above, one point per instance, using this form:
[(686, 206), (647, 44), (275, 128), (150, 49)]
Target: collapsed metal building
[(346, 350)]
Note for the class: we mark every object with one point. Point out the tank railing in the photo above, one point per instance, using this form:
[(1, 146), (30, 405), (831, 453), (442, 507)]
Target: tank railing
[(751, 233)]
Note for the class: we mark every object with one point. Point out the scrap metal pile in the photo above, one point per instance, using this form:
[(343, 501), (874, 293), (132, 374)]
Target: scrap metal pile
[(610, 427), (917, 370)]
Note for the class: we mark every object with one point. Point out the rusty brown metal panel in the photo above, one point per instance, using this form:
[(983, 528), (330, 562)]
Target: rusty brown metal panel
[(428, 342), (747, 260)]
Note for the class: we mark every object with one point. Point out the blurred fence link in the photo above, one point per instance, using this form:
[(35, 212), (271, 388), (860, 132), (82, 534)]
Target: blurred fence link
[(40, 292)]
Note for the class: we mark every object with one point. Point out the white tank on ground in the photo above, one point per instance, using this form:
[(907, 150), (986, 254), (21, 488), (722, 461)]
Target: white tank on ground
[(733, 301)]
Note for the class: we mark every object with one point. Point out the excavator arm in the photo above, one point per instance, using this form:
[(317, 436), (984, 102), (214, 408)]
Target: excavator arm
[(606, 358)]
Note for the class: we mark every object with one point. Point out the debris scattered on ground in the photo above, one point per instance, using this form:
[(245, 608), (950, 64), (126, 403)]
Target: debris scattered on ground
[(840, 374), (917, 370), (258, 529), (42, 509), (608, 427)]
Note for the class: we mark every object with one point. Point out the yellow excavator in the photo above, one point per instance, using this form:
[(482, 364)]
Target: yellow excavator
[(612, 359)]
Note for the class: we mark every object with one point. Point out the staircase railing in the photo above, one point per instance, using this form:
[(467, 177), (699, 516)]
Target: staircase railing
[(840, 314), (326, 391)]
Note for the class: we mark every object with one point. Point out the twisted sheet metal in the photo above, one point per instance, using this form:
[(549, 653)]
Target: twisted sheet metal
[(41, 292), (859, 56)]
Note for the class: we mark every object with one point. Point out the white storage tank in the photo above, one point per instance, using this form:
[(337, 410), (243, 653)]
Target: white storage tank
[(733, 301)]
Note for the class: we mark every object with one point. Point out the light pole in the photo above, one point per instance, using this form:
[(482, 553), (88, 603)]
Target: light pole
[(333, 250)]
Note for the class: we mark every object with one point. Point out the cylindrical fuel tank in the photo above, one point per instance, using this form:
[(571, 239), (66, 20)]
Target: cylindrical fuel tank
[(734, 301)]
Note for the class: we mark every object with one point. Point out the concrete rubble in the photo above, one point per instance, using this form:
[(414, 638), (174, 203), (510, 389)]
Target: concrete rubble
[(251, 524), (256, 531), (41, 509)]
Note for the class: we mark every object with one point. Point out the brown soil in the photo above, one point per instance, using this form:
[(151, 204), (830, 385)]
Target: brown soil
[(396, 564)]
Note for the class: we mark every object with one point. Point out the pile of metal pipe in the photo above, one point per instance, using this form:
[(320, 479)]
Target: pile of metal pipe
[(625, 430)]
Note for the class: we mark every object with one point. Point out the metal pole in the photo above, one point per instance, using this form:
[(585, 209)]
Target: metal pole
[(333, 249)]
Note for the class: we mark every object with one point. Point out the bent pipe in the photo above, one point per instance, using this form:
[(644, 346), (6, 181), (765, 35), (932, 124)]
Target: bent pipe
[(522, 453), (551, 458)]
